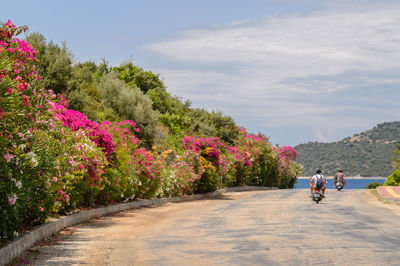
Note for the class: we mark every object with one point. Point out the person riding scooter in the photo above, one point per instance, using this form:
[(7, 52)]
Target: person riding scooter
[(339, 176), (318, 181)]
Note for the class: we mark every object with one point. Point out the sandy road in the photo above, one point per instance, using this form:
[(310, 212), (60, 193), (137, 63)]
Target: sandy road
[(281, 227)]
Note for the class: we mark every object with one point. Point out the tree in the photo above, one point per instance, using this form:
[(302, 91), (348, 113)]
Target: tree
[(135, 76), (214, 124), (54, 62), (130, 103), (396, 159)]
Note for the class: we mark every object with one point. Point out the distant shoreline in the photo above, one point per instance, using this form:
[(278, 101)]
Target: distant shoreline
[(346, 177)]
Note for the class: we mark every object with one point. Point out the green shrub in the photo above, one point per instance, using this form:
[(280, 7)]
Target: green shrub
[(373, 185), (209, 181), (393, 179)]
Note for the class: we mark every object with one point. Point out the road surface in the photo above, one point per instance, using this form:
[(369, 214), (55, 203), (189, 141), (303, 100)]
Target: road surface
[(281, 227)]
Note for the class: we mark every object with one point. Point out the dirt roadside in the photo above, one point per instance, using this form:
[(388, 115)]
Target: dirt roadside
[(371, 197)]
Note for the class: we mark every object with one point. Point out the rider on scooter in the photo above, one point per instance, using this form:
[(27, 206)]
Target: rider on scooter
[(339, 176), (317, 179)]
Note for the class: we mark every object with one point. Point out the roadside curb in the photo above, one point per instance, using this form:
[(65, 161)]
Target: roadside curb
[(246, 188), (15, 248), (389, 193)]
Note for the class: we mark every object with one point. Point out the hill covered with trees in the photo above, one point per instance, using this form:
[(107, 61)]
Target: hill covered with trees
[(367, 154)]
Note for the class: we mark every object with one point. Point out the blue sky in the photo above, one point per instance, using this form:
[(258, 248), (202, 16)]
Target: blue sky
[(296, 71)]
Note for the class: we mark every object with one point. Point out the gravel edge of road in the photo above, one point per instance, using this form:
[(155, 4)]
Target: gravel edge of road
[(372, 197), (19, 245)]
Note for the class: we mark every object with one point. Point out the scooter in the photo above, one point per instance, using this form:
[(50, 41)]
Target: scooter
[(339, 185), (316, 195)]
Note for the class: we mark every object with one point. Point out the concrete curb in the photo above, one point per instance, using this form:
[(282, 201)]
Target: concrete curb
[(24, 242), (246, 188)]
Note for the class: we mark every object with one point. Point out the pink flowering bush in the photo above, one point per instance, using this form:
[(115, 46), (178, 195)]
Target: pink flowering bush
[(25, 199), (131, 166), (79, 166), (24, 161), (181, 176), (256, 160), (121, 175), (43, 168), (259, 163), (75, 120), (148, 178), (210, 160), (180, 180), (252, 161), (288, 169), (134, 171)]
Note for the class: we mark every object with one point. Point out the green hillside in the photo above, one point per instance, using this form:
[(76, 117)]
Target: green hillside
[(366, 154)]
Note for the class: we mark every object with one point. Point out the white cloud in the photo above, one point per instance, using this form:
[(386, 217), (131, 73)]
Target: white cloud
[(325, 68)]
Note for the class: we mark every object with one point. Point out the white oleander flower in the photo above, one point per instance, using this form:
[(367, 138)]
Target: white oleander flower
[(35, 162), (31, 154)]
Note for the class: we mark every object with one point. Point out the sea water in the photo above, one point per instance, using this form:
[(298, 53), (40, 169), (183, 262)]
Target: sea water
[(350, 183)]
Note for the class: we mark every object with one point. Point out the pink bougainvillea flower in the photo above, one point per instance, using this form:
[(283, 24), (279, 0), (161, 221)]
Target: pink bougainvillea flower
[(8, 157), (10, 24), (26, 99), (20, 87)]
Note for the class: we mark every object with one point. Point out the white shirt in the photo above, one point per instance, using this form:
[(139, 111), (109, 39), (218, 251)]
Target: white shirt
[(314, 178)]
